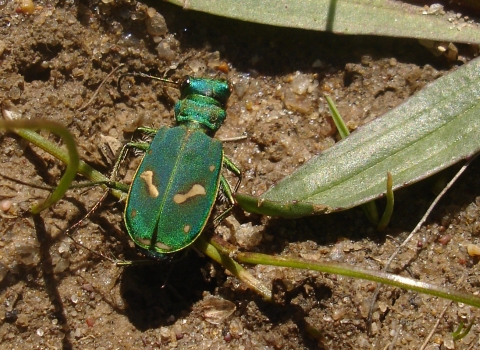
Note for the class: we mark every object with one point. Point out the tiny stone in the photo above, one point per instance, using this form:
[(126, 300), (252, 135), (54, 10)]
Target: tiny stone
[(448, 341), (178, 332), (164, 51), (473, 250), (14, 93), (61, 266), (3, 46), (88, 287), (74, 298), (236, 328), (22, 320), (27, 6), (338, 314), (300, 84), (3, 271), (5, 204), (155, 23), (27, 254), (165, 333), (64, 247)]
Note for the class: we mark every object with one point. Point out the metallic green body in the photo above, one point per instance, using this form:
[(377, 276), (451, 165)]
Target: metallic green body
[(178, 159), (176, 185)]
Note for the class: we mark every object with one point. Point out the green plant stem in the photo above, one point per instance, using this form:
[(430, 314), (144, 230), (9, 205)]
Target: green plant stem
[(355, 272), (23, 129), (387, 214), (70, 158), (211, 249)]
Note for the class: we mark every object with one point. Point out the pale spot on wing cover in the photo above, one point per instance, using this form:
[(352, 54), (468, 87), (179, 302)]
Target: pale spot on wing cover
[(147, 176), (196, 190)]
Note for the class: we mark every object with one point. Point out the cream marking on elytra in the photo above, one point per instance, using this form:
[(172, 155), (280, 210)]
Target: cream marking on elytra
[(211, 167), (187, 228), (196, 190), (144, 241), (147, 176), (163, 246)]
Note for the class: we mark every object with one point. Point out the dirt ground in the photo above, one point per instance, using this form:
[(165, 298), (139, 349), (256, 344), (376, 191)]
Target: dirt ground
[(55, 295)]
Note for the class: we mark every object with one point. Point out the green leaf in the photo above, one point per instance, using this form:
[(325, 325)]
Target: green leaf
[(360, 17), (430, 131)]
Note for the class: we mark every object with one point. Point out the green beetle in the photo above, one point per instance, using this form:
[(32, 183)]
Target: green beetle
[(177, 183)]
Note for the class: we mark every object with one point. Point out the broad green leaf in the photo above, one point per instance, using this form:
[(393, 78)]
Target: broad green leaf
[(359, 17), (432, 130)]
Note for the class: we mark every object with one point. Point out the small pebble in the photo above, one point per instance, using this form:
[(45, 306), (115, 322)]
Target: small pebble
[(3, 46), (444, 239), (27, 7), (155, 23), (473, 250), (5, 205)]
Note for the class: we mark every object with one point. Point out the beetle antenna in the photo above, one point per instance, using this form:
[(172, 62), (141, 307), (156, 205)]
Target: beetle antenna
[(143, 75)]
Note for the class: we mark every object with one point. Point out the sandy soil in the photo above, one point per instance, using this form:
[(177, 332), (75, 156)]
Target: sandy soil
[(54, 294)]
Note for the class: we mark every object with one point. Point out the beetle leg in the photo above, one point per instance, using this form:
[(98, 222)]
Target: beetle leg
[(228, 164), (123, 153), (227, 190)]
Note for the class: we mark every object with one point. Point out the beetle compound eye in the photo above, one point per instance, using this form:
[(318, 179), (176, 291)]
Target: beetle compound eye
[(185, 84)]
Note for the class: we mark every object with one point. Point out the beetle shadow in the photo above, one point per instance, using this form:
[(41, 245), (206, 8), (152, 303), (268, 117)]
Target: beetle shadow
[(159, 293)]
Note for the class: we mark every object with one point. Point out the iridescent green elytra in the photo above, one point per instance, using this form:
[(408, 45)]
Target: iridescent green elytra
[(178, 180)]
